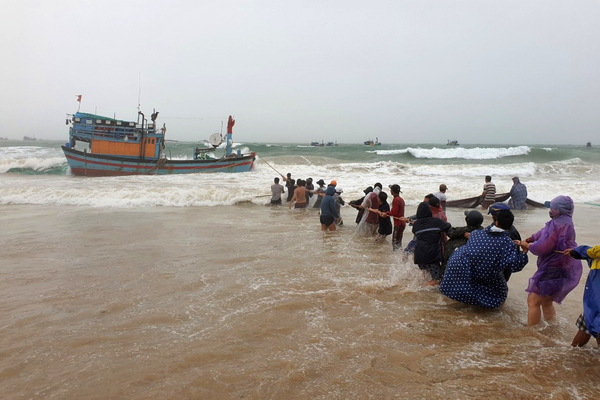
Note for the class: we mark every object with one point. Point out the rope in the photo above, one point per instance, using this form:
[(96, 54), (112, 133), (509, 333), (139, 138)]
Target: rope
[(160, 163), (261, 159)]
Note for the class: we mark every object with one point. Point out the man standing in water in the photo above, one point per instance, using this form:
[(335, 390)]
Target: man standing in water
[(488, 194), (289, 184), (320, 193), (397, 212), (276, 191), (442, 196), (369, 223), (328, 212), (299, 196)]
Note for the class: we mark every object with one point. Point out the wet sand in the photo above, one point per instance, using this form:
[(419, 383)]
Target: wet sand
[(255, 302)]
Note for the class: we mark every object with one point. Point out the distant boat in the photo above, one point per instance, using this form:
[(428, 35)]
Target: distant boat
[(589, 144), (317, 144), (332, 143), (29, 138), (3, 138), (452, 143), (372, 143)]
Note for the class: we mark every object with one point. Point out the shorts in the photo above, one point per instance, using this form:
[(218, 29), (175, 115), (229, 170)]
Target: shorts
[(300, 205), (327, 220), (581, 324), (274, 202)]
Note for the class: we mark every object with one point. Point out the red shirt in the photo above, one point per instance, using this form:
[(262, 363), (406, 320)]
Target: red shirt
[(397, 211)]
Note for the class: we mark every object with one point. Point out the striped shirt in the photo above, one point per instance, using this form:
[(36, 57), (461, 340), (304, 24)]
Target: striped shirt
[(490, 192)]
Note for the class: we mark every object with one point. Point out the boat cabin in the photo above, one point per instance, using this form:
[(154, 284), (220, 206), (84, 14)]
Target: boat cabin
[(109, 136)]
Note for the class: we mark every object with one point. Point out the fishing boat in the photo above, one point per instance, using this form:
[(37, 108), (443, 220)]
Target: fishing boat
[(452, 143), (29, 138), (372, 143), (317, 144), (332, 143), (589, 144), (118, 147)]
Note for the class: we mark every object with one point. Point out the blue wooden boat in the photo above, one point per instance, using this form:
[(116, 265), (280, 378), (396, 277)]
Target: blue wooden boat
[(119, 147)]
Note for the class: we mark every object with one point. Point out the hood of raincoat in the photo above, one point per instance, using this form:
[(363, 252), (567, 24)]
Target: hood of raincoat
[(330, 190), (563, 205), (424, 211)]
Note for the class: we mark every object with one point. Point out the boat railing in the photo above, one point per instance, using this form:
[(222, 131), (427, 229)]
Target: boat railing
[(119, 133)]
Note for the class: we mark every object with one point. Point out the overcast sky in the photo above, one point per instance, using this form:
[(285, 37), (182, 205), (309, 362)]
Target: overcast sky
[(489, 72)]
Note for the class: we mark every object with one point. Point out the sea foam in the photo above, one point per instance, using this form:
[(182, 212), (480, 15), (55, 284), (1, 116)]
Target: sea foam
[(476, 153)]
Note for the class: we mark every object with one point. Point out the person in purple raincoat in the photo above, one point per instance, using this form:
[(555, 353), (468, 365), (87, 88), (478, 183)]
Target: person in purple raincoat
[(557, 274)]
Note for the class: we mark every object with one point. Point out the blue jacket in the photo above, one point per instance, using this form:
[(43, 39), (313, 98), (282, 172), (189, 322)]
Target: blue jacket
[(328, 203), (591, 295)]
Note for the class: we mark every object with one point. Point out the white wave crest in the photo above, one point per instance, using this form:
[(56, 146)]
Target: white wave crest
[(35, 164), (476, 153)]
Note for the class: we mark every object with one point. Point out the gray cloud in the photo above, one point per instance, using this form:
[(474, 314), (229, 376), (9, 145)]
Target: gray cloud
[(481, 72)]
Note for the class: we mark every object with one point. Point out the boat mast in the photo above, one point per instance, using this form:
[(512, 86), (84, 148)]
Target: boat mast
[(230, 124), (139, 91), (142, 146)]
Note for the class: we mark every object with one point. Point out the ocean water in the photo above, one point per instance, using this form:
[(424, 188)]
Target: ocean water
[(37, 173), (189, 287)]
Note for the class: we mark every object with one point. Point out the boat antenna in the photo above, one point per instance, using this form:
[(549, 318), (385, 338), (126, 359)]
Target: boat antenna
[(139, 91)]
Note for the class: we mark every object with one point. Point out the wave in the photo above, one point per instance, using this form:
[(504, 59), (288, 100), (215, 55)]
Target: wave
[(476, 153), (33, 165)]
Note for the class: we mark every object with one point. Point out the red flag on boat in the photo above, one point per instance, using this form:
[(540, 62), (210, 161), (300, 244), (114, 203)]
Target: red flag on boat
[(78, 97)]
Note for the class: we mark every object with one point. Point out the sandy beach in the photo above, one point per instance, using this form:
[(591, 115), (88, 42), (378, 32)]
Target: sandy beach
[(249, 301)]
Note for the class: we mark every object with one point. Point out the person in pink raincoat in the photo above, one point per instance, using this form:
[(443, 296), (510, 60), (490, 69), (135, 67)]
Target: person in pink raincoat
[(557, 274)]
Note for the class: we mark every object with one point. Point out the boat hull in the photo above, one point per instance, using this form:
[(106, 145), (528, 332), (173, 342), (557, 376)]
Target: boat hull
[(87, 164)]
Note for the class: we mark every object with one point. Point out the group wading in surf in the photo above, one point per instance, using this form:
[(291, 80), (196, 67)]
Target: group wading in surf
[(471, 264)]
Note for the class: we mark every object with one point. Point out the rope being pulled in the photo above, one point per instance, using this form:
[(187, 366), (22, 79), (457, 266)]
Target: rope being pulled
[(265, 161)]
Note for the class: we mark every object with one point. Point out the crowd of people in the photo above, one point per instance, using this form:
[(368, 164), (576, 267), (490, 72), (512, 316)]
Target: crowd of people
[(472, 263)]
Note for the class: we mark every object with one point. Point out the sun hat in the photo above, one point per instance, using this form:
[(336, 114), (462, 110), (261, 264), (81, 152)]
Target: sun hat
[(321, 182), (339, 190), (368, 190), (333, 183)]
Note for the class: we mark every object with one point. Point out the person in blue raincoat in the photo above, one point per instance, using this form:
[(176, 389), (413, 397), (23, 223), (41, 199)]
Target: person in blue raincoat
[(518, 195), (588, 322), (474, 273)]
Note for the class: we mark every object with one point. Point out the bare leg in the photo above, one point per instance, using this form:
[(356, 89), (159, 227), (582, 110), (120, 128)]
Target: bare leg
[(534, 313), (331, 227), (323, 227), (548, 309), (580, 339)]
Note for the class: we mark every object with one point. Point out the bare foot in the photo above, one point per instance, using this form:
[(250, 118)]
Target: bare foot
[(580, 339), (432, 283)]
